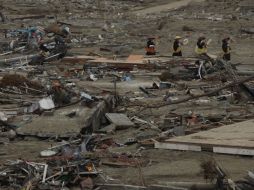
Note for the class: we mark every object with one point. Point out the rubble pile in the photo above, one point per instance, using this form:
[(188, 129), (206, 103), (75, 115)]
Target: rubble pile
[(83, 107), (17, 81)]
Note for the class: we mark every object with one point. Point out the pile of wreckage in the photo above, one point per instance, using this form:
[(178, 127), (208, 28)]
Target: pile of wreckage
[(65, 165), (48, 43), (42, 96)]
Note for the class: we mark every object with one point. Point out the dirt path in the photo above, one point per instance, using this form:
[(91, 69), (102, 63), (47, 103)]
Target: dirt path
[(165, 7)]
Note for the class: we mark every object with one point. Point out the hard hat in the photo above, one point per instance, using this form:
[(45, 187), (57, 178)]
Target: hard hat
[(178, 37)]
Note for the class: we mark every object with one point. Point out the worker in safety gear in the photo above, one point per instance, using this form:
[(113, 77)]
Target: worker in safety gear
[(226, 48), (177, 50), (201, 47), (150, 46)]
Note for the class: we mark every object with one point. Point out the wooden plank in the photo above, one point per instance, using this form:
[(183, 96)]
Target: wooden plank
[(135, 58), (29, 17), (176, 146), (234, 139), (95, 61), (117, 164), (231, 150), (121, 186), (132, 61), (121, 64), (78, 59), (112, 61), (121, 121)]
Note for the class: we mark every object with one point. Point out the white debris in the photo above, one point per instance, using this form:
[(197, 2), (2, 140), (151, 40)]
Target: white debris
[(46, 103)]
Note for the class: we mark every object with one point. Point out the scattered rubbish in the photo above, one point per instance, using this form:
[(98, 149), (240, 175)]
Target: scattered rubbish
[(138, 120), (164, 85), (82, 107), (86, 97), (92, 77), (46, 103), (48, 153)]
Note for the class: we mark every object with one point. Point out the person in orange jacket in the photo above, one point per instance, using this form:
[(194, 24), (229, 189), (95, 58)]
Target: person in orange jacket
[(150, 46)]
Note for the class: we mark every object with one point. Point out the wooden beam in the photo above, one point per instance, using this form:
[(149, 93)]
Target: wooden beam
[(205, 94)]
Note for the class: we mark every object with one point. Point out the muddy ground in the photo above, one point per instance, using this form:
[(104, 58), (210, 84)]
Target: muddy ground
[(122, 27)]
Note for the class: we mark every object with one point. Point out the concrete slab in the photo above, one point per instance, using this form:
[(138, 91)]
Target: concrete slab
[(60, 125), (119, 120), (230, 139)]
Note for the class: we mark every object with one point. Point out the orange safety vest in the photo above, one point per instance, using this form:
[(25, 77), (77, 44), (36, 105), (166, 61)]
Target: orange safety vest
[(150, 49)]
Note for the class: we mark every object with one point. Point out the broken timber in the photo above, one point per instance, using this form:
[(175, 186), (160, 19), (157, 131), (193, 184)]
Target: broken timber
[(173, 186), (78, 59), (30, 17), (234, 139), (205, 94), (129, 63)]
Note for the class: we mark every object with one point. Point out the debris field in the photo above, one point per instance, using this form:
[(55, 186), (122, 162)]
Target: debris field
[(86, 102)]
